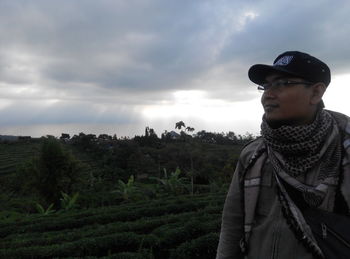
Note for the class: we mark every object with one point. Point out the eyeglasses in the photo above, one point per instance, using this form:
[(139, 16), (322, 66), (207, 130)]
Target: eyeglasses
[(277, 85)]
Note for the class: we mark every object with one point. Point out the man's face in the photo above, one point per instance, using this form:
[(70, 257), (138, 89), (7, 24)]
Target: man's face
[(288, 104)]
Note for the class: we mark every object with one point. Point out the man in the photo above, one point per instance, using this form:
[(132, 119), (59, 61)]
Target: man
[(301, 160)]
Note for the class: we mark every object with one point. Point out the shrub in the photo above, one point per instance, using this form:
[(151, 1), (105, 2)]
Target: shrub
[(203, 247)]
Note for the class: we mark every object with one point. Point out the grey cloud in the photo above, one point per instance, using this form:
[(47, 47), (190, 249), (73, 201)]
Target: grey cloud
[(317, 28), (74, 37), (29, 113), (134, 53)]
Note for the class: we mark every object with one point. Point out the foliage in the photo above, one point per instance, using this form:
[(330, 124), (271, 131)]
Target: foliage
[(153, 229), (123, 213), (129, 190), (173, 184), (99, 162), (52, 172), (42, 211), (203, 247), (179, 125), (10, 216), (46, 173), (69, 202)]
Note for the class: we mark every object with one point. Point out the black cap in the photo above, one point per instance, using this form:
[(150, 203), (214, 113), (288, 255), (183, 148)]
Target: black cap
[(294, 63)]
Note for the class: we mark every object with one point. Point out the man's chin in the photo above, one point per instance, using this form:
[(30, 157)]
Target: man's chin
[(276, 123)]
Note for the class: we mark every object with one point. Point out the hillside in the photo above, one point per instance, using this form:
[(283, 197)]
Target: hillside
[(173, 227), (102, 197), (13, 154)]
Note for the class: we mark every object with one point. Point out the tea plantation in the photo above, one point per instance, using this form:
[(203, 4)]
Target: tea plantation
[(89, 197), (13, 154), (174, 227)]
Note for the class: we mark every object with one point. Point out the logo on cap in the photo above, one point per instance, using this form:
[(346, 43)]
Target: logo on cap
[(283, 61)]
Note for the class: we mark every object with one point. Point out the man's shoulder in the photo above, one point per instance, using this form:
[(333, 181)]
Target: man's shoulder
[(251, 149), (339, 117), (342, 120), (253, 144)]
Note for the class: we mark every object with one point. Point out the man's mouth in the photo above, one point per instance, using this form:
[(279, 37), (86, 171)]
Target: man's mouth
[(269, 107)]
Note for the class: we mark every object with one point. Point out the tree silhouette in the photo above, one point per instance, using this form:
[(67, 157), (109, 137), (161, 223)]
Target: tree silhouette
[(52, 172), (190, 129), (179, 125), (187, 139)]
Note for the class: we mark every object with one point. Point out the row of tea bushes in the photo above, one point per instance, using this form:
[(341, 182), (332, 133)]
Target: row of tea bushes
[(170, 227)]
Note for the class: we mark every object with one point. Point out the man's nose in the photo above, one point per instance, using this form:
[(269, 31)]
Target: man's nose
[(269, 93)]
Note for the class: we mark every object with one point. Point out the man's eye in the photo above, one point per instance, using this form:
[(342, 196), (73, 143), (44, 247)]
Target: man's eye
[(279, 83)]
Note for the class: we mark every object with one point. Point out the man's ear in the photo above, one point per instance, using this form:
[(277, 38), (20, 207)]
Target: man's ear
[(318, 90)]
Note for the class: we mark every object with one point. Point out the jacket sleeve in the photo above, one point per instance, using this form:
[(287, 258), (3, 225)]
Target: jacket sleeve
[(232, 229)]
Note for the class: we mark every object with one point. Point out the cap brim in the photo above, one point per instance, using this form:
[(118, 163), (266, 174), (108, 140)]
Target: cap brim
[(258, 73)]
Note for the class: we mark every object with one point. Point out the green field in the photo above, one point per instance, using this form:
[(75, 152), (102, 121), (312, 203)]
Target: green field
[(174, 227), (13, 154), (137, 198)]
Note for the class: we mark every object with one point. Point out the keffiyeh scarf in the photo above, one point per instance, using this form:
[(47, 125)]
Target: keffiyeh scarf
[(308, 159), (314, 148)]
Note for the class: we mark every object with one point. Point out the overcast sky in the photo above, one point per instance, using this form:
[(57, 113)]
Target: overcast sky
[(112, 66)]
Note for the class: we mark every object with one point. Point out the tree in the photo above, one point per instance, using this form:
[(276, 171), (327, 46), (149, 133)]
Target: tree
[(173, 183), (53, 172), (179, 125), (187, 138), (128, 190), (189, 129)]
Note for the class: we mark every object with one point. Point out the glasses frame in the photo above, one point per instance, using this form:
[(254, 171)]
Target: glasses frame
[(280, 83)]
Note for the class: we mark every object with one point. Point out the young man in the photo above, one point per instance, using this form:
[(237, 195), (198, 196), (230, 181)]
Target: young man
[(301, 160)]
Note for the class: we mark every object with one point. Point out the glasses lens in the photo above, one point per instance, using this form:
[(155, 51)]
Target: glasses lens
[(261, 88), (274, 85)]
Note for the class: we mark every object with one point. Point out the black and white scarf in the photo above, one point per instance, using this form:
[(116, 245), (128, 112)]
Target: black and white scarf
[(296, 150), (297, 153), (311, 149)]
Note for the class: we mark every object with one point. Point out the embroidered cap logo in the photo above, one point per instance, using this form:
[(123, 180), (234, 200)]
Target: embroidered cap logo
[(283, 61)]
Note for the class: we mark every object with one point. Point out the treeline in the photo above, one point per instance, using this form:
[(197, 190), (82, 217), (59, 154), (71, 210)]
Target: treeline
[(91, 171), (208, 156), (108, 197)]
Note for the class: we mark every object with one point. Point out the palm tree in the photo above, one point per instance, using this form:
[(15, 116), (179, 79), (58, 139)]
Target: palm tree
[(173, 183), (189, 129), (179, 125), (127, 190)]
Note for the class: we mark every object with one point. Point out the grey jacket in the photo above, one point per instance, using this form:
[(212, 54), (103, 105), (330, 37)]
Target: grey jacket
[(271, 236)]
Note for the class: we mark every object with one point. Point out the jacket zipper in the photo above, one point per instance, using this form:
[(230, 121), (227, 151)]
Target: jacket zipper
[(326, 229)]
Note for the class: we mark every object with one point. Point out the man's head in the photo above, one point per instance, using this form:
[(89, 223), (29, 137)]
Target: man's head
[(293, 87)]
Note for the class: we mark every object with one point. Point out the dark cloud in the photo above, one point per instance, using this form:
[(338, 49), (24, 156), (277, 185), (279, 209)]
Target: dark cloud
[(146, 45), (52, 112), (316, 27), (125, 54)]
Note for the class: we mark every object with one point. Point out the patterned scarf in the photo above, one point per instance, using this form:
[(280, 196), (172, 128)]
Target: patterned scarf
[(278, 146), (313, 149), (302, 149)]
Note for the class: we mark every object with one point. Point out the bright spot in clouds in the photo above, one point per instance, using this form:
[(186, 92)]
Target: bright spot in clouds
[(119, 66), (245, 18), (195, 105), (337, 94)]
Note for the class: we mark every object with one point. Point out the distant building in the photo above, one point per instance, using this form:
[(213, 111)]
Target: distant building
[(174, 135)]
